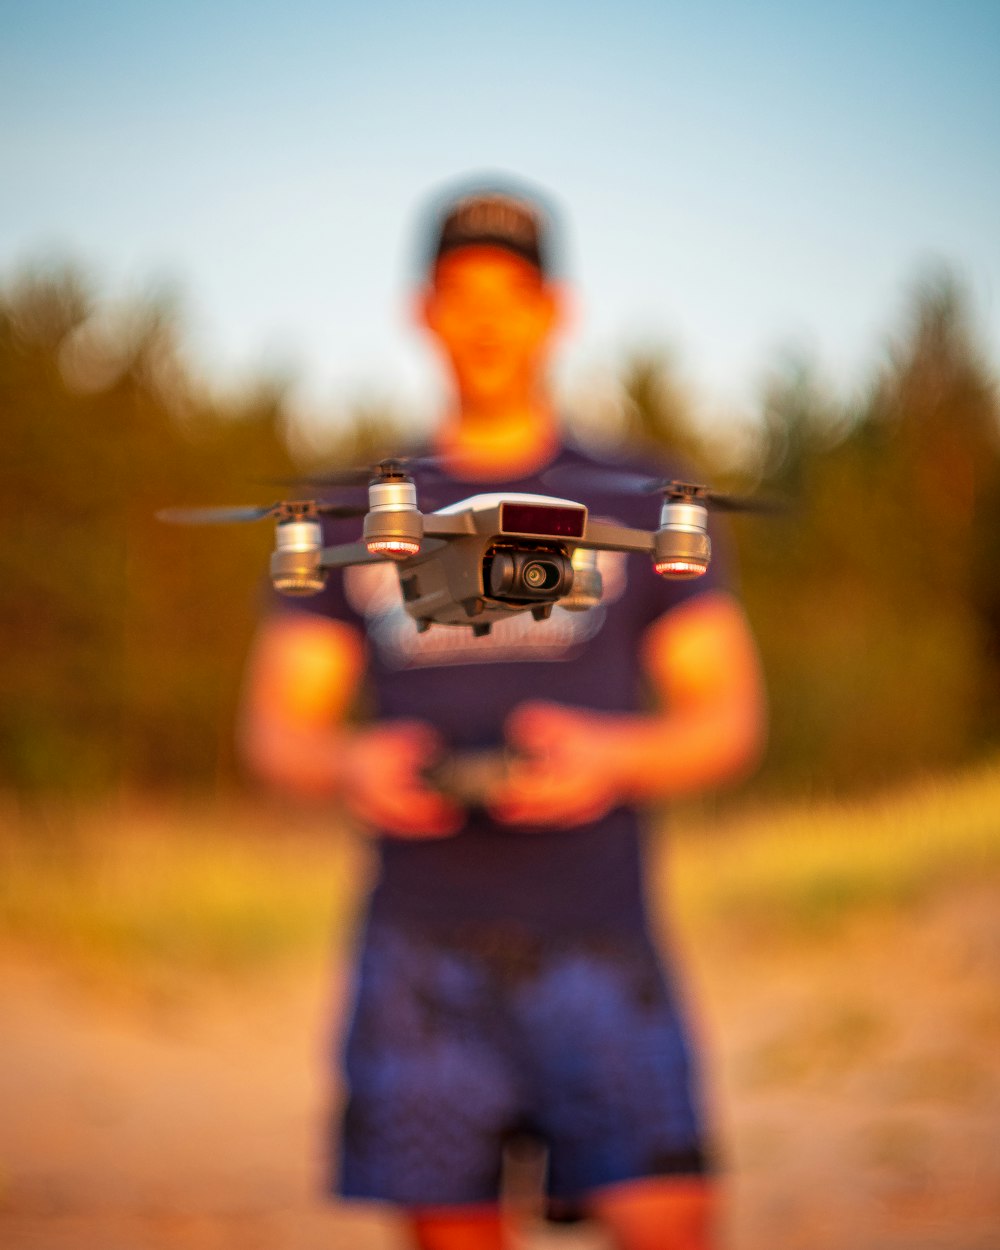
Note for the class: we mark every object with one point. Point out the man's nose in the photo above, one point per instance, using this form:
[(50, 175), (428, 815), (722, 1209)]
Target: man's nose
[(487, 324)]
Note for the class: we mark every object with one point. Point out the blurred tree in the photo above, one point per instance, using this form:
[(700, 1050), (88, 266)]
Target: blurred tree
[(372, 432), (123, 637), (657, 411), (934, 413), (871, 603)]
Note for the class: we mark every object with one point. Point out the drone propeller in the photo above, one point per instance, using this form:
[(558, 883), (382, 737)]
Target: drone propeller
[(681, 492), (626, 482), (386, 470), (212, 516), (283, 511)]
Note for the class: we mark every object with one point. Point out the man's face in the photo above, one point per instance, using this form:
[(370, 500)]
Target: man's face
[(494, 316)]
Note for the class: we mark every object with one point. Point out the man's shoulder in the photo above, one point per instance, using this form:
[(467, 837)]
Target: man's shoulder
[(617, 481), (649, 461)]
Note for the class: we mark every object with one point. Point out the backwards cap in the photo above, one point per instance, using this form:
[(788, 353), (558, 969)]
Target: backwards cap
[(488, 216)]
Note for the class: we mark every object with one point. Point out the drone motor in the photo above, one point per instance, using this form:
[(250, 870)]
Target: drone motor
[(681, 546), (295, 562), (393, 524), (588, 585)]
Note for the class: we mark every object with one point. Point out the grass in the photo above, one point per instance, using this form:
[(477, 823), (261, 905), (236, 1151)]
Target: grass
[(222, 889), (801, 869), (236, 888)]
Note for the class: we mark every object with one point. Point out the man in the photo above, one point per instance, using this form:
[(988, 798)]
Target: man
[(507, 984)]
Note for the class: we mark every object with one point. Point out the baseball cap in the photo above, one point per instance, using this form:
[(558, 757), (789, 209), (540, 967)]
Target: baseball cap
[(492, 215)]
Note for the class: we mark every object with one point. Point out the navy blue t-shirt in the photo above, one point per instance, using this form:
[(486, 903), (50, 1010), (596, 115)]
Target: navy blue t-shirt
[(584, 878)]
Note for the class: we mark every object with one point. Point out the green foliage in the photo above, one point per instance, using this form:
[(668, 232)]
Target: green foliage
[(657, 410), (876, 600), (885, 594), (123, 637)]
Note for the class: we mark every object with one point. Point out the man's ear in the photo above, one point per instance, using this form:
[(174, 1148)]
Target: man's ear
[(563, 308), (421, 308)]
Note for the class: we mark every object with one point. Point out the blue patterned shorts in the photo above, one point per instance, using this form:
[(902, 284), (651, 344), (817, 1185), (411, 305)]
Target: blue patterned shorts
[(458, 1047)]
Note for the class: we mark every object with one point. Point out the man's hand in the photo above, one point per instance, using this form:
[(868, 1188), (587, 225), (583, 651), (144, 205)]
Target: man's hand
[(303, 674), (383, 786), (564, 770), (577, 765)]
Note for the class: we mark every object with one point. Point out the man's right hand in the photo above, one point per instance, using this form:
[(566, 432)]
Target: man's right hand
[(383, 783), (302, 677)]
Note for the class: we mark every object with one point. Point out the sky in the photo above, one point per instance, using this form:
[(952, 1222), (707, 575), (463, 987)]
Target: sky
[(740, 182)]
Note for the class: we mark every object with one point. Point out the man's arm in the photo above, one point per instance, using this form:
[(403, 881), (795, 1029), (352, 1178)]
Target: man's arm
[(703, 666), (302, 678)]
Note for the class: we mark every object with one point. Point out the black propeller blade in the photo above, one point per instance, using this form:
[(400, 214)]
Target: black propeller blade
[(227, 516), (213, 516), (595, 478), (721, 502), (341, 509), (625, 482), (361, 475)]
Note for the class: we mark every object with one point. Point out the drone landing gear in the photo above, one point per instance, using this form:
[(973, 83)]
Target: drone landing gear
[(481, 628), (542, 611)]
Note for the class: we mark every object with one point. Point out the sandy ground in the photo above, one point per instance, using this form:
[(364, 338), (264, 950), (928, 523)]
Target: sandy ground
[(856, 1079)]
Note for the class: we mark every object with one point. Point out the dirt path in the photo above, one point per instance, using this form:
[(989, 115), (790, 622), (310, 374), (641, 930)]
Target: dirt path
[(857, 1085)]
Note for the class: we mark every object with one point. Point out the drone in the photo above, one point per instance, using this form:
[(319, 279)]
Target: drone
[(485, 558)]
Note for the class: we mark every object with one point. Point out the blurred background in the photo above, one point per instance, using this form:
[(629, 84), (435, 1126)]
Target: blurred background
[(780, 227)]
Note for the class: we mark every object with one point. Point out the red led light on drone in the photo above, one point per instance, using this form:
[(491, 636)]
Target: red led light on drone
[(398, 548), (680, 568)]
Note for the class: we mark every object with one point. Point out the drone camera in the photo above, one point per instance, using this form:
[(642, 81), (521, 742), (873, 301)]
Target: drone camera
[(393, 525), (295, 567), (682, 547), (529, 575)]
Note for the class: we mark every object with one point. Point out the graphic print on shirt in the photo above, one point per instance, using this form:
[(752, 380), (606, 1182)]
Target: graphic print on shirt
[(373, 592)]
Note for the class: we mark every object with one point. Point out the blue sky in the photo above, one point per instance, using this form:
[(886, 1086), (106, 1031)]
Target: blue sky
[(739, 180)]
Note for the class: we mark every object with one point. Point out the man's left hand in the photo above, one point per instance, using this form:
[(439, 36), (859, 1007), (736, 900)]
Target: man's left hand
[(564, 768)]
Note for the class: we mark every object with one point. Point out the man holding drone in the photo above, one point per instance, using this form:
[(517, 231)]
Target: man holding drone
[(507, 985)]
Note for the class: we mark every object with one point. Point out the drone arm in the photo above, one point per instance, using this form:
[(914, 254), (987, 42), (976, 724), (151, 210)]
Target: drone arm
[(344, 554), (607, 536), (448, 524), (340, 557)]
